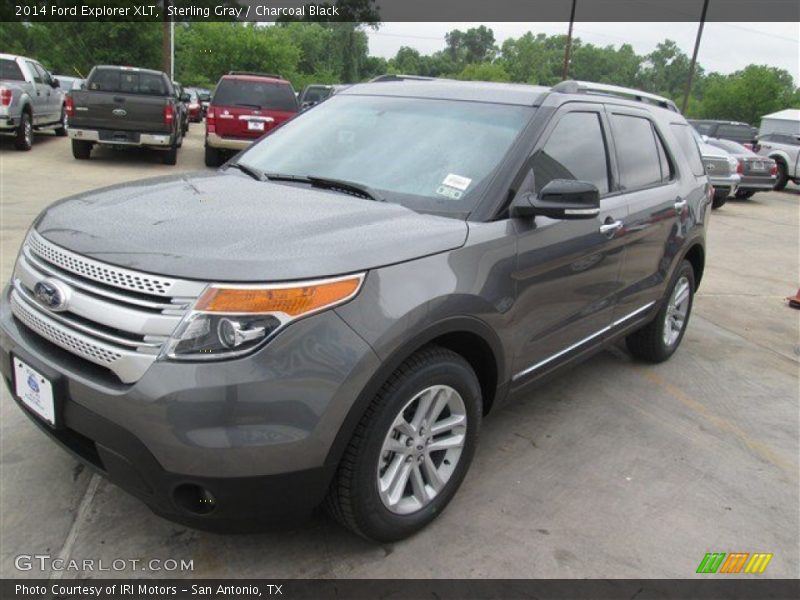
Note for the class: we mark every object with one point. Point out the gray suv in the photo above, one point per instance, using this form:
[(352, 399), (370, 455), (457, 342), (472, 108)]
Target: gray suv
[(327, 319)]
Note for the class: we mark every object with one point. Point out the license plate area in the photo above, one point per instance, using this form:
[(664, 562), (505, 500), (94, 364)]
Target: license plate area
[(35, 392), (255, 125)]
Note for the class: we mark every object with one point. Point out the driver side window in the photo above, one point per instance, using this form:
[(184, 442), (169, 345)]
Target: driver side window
[(576, 149)]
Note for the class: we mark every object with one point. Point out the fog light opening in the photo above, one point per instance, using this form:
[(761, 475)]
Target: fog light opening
[(194, 498)]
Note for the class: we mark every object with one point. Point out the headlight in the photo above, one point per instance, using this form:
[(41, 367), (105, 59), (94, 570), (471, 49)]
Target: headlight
[(231, 320)]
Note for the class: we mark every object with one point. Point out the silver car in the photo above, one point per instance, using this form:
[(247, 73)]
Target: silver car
[(758, 173), (721, 168)]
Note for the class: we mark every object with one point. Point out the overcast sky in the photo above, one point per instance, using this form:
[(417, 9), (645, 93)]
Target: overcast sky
[(726, 47)]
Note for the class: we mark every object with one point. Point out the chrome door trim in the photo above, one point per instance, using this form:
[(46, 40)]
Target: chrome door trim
[(581, 342)]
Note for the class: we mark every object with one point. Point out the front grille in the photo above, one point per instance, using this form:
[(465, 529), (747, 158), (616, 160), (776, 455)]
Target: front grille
[(116, 318)]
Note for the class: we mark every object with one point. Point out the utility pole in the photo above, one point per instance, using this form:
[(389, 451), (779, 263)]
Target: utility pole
[(167, 43), (694, 55), (568, 49)]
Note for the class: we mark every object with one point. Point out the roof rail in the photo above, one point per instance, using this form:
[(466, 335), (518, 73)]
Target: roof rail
[(589, 87), (399, 77), (254, 74)]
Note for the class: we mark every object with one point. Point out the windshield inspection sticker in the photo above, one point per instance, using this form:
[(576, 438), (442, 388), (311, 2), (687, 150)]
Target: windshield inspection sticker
[(457, 181)]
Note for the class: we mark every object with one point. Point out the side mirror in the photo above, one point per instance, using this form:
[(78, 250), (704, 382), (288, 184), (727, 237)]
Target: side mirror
[(185, 97), (55, 83), (559, 199)]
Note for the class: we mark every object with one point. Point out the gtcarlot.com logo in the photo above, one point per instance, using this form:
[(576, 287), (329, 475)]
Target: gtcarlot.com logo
[(735, 562), (45, 562)]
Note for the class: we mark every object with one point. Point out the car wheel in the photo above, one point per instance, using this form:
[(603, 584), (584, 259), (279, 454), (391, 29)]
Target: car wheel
[(81, 150), (170, 157), (61, 130), (783, 176), (411, 449), (658, 340), (24, 137), (744, 195), (720, 198), (213, 157)]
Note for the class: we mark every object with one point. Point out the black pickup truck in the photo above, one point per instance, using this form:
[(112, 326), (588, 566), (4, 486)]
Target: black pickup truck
[(125, 106)]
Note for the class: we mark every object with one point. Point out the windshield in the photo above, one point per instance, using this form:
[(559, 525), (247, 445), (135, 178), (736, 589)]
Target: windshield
[(259, 94), (430, 155)]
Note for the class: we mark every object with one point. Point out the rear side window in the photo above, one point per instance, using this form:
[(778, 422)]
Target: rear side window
[(637, 152), (10, 71), (576, 149), (128, 82), (255, 94), (689, 147)]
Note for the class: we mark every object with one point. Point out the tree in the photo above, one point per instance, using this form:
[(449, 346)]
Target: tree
[(484, 72), (472, 46), (749, 94)]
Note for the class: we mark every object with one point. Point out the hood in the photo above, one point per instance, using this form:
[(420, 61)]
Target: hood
[(229, 227)]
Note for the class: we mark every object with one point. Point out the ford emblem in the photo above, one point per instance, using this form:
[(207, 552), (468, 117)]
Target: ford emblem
[(33, 384), (52, 294)]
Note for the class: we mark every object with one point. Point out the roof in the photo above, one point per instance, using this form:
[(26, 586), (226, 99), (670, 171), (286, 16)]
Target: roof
[(129, 68), (450, 89), (790, 114), (253, 77)]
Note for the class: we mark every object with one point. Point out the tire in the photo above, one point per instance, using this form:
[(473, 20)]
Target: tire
[(61, 130), (654, 342), (81, 150), (23, 140), (170, 157), (744, 195), (783, 176), (213, 157), (720, 198), (432, 376)]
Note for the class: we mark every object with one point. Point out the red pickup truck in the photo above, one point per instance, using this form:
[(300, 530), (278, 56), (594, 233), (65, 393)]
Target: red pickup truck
[(244, 107)]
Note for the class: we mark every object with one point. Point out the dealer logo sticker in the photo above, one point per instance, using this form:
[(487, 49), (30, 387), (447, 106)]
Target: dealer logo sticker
[(734, 562)]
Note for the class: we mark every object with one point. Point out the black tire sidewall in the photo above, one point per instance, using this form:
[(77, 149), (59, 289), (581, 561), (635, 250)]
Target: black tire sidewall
[(373, 518), (21, 141)]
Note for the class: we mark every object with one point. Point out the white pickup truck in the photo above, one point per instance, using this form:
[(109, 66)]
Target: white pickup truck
[(30, 98), (779, 138)]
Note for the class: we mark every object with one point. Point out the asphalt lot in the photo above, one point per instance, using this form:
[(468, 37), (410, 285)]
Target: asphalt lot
[(617, 470)]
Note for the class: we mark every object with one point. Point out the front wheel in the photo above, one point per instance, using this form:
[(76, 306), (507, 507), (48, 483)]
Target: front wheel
[(658, 340), (411, 449)]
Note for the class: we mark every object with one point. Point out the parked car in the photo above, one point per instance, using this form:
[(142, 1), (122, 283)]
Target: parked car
[(67, 82), (245, 106), (757, 173), (183, 106), (195, 108), (312, 94), (30, 99), (722, 169), (779, 139), (726, 130), (125, 106), (205, 99), (330, 317)]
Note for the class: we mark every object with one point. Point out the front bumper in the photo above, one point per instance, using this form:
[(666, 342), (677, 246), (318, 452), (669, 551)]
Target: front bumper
[(730, 182), (152, 140), (255, 432), (227, 143)]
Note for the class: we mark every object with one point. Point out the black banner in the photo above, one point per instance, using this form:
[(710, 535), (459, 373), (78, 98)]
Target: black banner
[(715, 587), (399, 10)]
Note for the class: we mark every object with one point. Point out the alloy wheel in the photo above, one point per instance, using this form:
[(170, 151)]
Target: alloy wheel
[(422, 449), (677, 311)]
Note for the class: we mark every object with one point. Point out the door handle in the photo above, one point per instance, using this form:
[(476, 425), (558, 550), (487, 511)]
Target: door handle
[(611, 227), (680, 205)]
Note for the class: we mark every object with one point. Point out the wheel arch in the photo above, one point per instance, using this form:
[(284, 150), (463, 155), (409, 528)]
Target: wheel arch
[(696, 255), (467, 336)]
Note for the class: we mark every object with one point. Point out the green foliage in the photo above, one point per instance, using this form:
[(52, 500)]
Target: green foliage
[(484, 72)]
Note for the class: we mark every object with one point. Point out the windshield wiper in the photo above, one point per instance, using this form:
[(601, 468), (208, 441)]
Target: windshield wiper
[(252, 171), (337, 185)]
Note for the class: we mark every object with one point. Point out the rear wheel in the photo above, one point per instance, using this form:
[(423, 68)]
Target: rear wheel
[(658, 340), (720, 198), (81, 150), (783, 176), (411, 449), (744, 195), (61, 130), (213, 157), (24, 136), (170, 157)]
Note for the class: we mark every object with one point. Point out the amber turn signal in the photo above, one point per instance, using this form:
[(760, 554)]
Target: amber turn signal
[(294, 301)]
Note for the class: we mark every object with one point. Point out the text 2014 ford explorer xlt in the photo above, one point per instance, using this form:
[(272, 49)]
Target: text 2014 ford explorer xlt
[(328, 319)]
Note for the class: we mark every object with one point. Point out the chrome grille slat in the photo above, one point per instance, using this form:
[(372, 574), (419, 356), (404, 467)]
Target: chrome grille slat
[(113, 317)]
